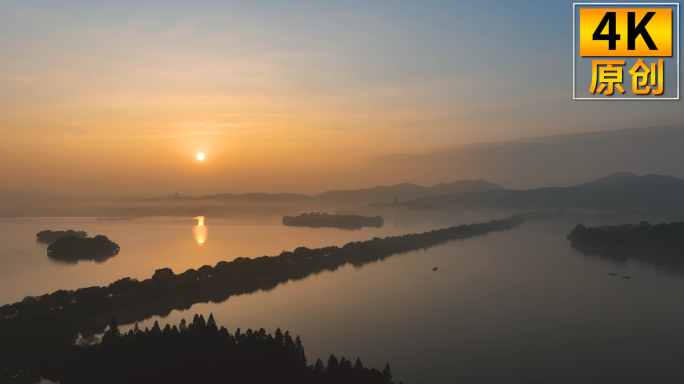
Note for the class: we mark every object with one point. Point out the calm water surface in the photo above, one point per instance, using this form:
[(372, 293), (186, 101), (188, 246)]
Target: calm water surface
[(148, 244), (516, 306)]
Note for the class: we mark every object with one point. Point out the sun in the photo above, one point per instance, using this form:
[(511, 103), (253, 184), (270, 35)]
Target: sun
[(200, 156)]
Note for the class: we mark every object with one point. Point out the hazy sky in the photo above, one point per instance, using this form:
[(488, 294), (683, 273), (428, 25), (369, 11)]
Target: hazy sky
[(119, 96)]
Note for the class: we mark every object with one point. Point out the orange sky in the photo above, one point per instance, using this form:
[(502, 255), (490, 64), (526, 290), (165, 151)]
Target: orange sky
[(119, 98)]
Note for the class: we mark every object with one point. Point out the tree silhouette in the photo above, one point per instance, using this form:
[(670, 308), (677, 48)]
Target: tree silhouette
[(112, 333), (201, 354), (155, 328), (319, 367), (211, 323), (387, 373), (289, 344), (345, 365), (358, 366), (333, 365), (301, 356), (114, 327)]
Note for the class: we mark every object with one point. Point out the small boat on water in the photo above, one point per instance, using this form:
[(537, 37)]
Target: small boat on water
[(625, 277), (613, 274), (434, 269)]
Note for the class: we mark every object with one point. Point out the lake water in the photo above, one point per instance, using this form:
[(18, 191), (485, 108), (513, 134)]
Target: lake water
[(148, 244), (515, 306)]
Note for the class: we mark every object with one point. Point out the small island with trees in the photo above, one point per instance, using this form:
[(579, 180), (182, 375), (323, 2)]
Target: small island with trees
[(662, 244), (52, 236), (71, 249), (317, 219)]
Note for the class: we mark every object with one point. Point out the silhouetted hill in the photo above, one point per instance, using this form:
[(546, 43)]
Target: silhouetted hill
[(562, 160), (615, 177), (258, 197), (410, 205), (642, 192), (233, 197), (405, 191)]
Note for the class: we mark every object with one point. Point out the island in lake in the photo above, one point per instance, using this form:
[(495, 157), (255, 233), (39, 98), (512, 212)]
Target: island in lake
[(72, 249), (52, 236), (661, 244), (317, 219)]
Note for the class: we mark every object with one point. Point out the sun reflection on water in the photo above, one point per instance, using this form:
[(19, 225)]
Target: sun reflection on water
[(200, 230)]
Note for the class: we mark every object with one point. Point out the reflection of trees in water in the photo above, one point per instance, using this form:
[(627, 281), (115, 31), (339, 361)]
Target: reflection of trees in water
[(88, 310), (72, 249), (70, 260), (200, 230), (661, 244)]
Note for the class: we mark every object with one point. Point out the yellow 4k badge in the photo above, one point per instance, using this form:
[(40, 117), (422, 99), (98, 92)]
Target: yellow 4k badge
[(626, 51)]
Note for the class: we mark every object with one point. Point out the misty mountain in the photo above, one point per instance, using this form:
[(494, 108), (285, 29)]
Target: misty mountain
[(233, 197), (638, 192), (258, 197), (551, 161), (409, 205), (405, 191), (608, 179)]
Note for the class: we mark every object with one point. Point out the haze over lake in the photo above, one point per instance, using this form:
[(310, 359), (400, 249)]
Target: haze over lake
[(520, 303), (148, 244), (410, 186)]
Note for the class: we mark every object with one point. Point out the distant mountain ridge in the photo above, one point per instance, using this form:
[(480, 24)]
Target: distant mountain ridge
[(258, 197), (559, 160), (615, 177), (617, 191), (403, 192), (412, 204)]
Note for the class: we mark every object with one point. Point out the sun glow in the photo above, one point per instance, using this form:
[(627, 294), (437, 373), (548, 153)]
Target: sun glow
[(200, 230), (200, 156)]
